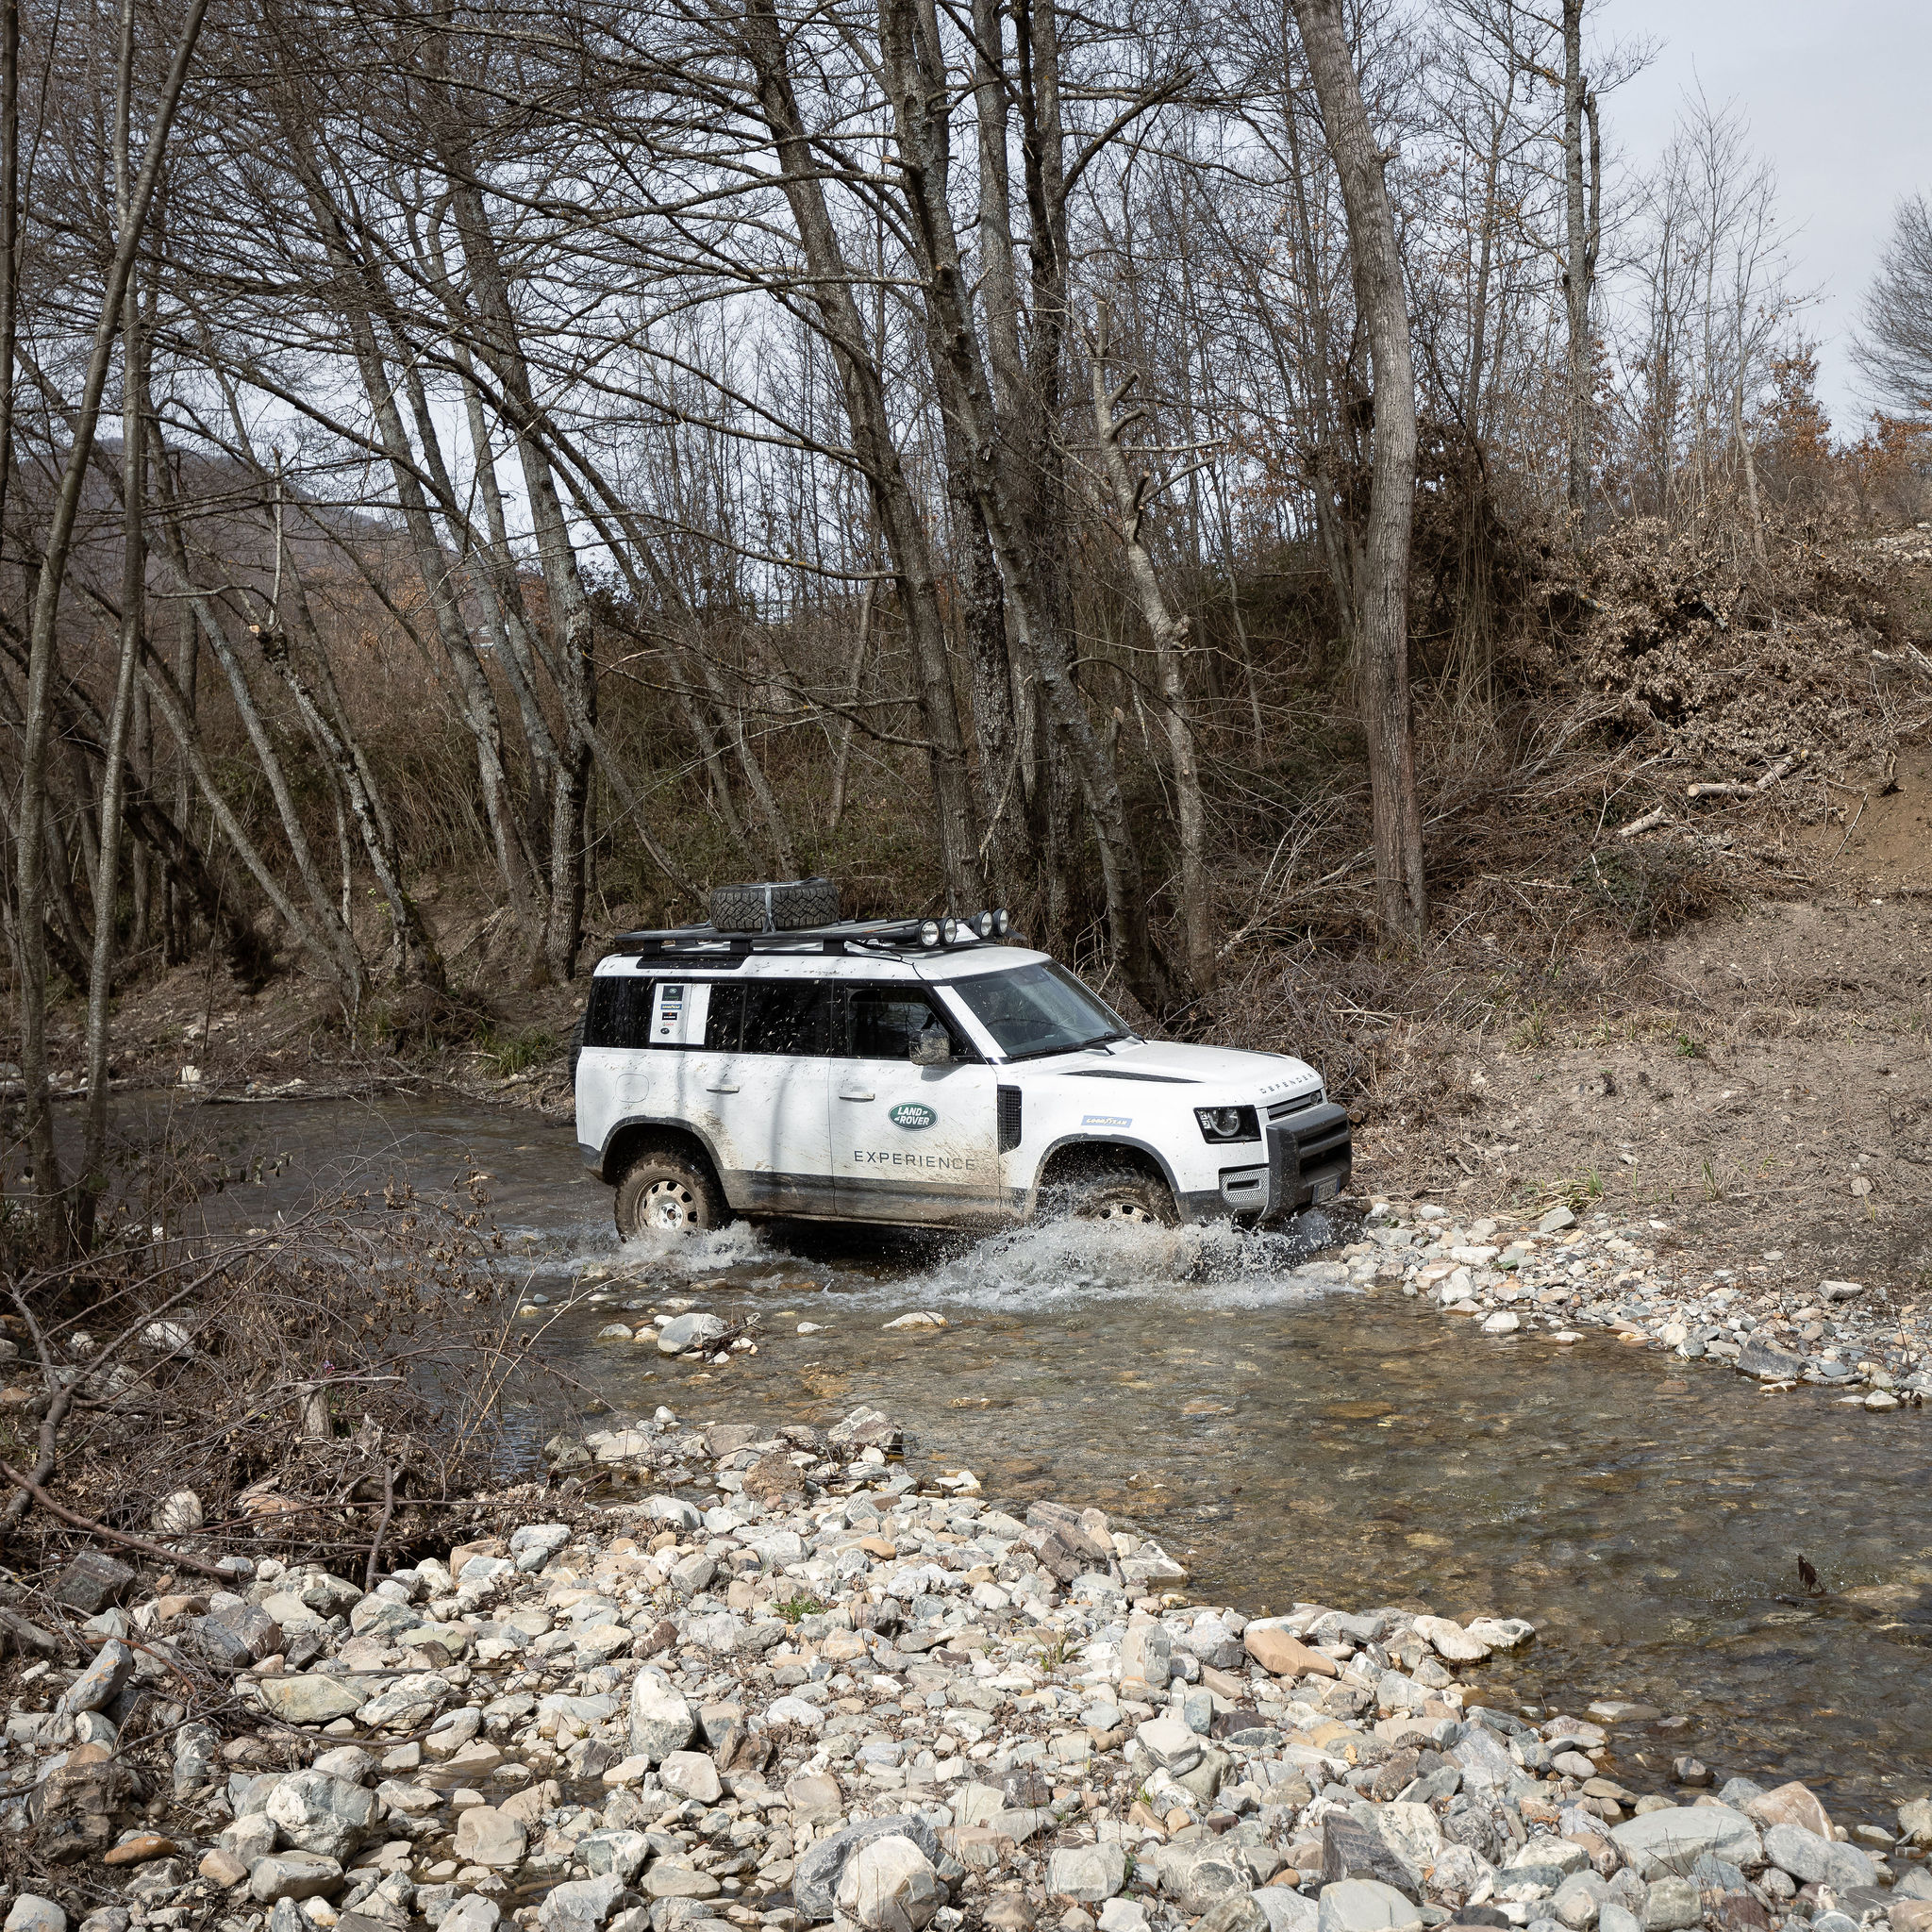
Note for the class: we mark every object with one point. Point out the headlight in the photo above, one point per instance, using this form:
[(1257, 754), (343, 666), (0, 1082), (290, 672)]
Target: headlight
[(1222, 1123)]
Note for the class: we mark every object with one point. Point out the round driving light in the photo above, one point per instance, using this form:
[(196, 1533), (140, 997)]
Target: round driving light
[(949, 930), (999, 921), (929, 932), (984, 926)]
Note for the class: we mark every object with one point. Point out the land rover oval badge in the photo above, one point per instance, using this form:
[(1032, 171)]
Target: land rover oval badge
[(914, 1115)]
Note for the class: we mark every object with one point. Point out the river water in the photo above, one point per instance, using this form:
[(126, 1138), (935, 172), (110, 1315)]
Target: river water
[(1289, 1438)]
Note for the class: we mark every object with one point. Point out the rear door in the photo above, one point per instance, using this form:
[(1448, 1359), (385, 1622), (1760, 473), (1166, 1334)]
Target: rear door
[(911, 1142), (765, 1080)]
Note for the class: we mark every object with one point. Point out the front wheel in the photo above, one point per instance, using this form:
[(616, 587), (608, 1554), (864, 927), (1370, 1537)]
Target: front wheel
[(1136, 1199), (667, 1193)]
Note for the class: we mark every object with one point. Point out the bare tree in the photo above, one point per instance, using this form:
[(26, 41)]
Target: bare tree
[(1892, 348), (1381, 585)]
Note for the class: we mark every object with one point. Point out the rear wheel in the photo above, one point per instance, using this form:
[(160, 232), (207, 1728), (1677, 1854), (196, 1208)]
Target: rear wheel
[(1137, 1199), (667, 1193)]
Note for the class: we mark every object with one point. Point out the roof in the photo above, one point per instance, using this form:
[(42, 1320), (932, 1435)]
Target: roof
[(851, 949)]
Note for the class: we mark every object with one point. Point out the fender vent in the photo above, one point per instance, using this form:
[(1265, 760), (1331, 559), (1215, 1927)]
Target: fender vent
[(1008, 1119)]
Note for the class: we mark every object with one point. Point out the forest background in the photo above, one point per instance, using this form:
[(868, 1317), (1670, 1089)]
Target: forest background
[(1262, 494)]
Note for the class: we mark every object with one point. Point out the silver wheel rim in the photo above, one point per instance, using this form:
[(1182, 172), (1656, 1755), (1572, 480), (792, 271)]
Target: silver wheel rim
[(1124, 1210), (668, 1206)]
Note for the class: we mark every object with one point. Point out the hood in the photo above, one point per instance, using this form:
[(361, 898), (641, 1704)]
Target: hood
[(1259, 1075)]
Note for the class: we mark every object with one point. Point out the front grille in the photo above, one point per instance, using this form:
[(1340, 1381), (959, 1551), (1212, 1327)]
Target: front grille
[(1008, 1115), (1282, 1108)]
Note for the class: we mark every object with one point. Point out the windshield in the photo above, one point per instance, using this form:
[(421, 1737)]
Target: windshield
[(1039, 1009)]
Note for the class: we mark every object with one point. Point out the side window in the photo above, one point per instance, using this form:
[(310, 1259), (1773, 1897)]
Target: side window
[(788, 1016), (619, 1012), (724, 1019), (886, 1020)]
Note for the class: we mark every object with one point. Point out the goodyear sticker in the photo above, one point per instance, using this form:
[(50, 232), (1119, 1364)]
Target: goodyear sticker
[(1106, 1120), (913, 1113)]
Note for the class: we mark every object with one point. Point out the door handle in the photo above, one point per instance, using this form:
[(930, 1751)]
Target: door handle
[(856, 1094), (721, 1086)]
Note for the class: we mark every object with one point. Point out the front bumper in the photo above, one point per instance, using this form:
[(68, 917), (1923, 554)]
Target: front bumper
[(1311, 1155), (1306, 1160)]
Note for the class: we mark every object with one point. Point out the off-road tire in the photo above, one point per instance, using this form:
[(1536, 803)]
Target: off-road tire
[(795, 903), (1134, 1198), (663, 1191)]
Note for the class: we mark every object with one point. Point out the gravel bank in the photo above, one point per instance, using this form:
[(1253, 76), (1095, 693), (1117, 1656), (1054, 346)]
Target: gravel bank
[(843, 1693), (1558, 1274)]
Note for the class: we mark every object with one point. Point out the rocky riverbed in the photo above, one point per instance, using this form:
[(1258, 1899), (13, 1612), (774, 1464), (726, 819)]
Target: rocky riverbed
[(820, 1685), (1556, 1275)]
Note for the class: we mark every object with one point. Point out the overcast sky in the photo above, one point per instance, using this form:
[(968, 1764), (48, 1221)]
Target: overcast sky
[(1836, 95)]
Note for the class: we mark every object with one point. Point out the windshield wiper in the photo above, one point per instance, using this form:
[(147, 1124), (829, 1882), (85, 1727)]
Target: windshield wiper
[(1040, 1053)]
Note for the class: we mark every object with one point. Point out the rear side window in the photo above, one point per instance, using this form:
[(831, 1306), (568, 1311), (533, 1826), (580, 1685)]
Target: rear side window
[(779, 1016), (619, 1012)]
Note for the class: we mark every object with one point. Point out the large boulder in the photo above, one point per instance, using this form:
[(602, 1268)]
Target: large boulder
[(888, 1885), (1282, 1654), (815, 1880), (580, 1905), (292, 1876), (486, 1836), (1814, 1860), (312, 1700), (318, 1812), (662, 1721), (1088, 1874), (1668, 1843), (1364, 1905)]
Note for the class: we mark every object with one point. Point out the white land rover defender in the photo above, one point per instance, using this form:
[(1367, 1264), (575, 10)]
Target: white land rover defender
[(926, 1073)]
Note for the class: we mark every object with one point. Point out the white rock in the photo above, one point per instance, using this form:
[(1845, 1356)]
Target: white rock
[(1087, 1874), (178, 1513), (661, 1719), (1502, 1322), (795, 1710), (30, 1913), (1365, 1905), (486, 1836), (1448, 1639), (691, 1774), (890, 1886)]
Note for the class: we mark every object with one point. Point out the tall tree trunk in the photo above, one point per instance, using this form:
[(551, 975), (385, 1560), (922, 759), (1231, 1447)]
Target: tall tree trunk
[(416, 947), (900, 515), (1381, 600), (92, 1179), (501, 347), (1582, 224), (1169, 634), (42, 633), (915, 78)]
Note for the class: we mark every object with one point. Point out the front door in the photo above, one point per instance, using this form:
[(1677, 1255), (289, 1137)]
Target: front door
[(911, 1142), (766, 1074)]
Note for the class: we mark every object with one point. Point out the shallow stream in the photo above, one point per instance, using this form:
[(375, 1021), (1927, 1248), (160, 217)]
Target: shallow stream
[(1287, 1438)]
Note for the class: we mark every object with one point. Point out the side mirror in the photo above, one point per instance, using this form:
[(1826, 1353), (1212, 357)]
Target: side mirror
[(931, 1048)]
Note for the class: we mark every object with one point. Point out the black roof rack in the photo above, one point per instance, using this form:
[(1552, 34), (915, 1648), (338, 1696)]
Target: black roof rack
[(709, 945)]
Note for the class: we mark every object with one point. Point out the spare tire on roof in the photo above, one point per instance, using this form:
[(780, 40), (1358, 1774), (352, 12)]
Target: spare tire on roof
[(775, 905)]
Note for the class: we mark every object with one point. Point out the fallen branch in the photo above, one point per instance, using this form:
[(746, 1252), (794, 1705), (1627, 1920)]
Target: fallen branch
[(1852, 827), (1648, 823), (389, 1508), (158, 1550), (1748, 788)]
